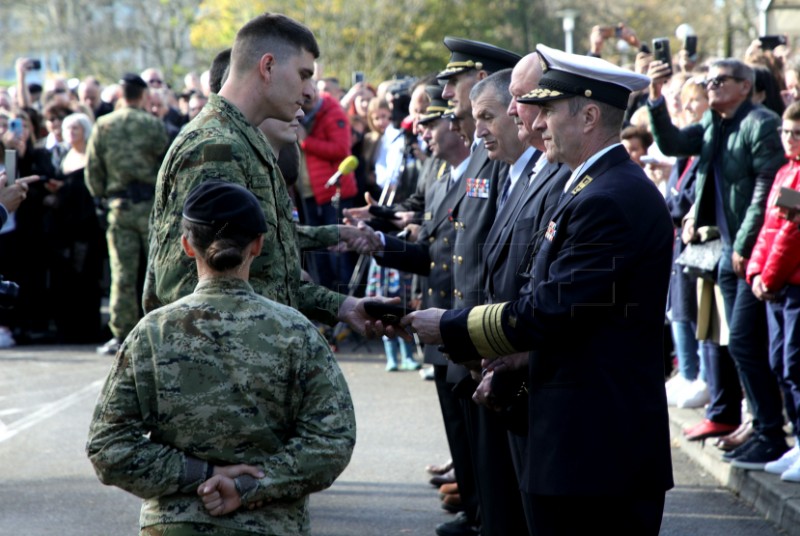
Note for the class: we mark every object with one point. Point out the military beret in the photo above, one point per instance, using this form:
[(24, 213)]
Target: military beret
[(466, 54), (219, 204), (132, 79), (437, 107), (572, 75)]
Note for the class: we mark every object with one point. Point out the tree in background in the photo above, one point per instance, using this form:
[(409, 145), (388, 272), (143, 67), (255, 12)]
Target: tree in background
[(381, 37)]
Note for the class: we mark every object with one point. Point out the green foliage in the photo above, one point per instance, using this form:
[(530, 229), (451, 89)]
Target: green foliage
[(380, 37)]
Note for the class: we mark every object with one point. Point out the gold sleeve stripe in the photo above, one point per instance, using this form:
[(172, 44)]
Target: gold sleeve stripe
[(485, 328)]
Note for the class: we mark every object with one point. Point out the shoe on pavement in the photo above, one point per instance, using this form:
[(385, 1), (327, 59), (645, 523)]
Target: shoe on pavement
[(109, 348), (426, 373), (439, 469), (707, 429), (6, 339), (762, 452), (410, 364), (780, 466), (792, 474), (675, 387), (728, 457), (447, 489), (694, 395), (447, 478), (736, 439), (452, 503), (460, 525)]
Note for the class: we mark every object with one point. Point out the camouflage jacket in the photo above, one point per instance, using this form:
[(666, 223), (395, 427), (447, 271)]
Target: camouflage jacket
[(223, 376), (125, 147), (220, 144)]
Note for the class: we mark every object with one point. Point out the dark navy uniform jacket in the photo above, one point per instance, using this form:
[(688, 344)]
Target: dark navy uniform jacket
[(431, 255), (473, 215), (518, 230), (598, 422)]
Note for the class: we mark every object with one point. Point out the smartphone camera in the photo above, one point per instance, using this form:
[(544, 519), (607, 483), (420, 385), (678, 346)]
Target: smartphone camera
[(690, 46), (35, 65), (358, 77), (661, 51), (15, 126), (771, 42)]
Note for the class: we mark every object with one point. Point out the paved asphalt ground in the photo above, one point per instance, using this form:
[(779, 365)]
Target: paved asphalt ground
[(48, 487)]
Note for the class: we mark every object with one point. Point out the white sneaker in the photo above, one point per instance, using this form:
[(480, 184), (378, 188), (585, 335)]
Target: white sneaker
[(675, 387), (792, 474), (6, 340), (782, 464), (694, 395)]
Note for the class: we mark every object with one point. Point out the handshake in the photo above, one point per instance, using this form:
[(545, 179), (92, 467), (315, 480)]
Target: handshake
[(360, 238)]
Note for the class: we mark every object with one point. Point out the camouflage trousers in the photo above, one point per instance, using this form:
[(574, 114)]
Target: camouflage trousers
[(190, 529), (127, 250)]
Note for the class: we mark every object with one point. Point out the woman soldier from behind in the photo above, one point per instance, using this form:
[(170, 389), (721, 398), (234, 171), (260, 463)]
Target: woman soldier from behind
[(223, 401)]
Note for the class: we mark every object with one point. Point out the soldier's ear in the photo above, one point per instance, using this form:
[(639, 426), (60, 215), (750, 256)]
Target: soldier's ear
[(187, 247), (265, 65)]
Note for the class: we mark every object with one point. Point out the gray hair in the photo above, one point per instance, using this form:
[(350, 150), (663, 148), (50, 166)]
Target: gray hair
[(498, 83), (79, 118), (738, 69)]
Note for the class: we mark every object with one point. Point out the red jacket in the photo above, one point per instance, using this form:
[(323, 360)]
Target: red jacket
[(327, 144), (776, 255)]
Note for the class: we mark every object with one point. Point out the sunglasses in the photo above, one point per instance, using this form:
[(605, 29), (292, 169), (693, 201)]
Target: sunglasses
[(795, 134), (719, 81), (155, 81)]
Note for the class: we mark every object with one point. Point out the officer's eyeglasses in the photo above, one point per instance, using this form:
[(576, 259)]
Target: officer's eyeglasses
[(719, 81), (795, 134)]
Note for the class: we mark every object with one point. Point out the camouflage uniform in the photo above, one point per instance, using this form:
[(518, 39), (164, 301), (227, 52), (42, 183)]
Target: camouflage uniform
[(221, 144), (223, 376), (124, 152)]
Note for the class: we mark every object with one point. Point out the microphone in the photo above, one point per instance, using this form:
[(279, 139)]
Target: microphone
[(348, 165)]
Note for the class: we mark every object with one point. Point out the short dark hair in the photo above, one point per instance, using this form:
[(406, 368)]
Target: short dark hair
[(56, 110), (792, 112), (270, 32), (132, 92), (639, 132), (216, 73)]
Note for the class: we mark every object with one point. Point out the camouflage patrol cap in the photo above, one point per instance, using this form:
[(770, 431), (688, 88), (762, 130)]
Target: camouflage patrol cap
[(219, 203)]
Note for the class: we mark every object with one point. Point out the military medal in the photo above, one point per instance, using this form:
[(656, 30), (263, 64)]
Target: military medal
[(478, 188), (551, 231)]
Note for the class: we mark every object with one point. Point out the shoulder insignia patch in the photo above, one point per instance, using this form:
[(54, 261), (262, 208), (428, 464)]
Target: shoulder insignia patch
[(217, 152)]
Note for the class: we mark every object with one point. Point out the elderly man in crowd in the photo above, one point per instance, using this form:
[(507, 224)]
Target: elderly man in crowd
[(739, 152)]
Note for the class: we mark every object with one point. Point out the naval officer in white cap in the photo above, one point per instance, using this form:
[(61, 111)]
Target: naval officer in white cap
[(598, 455)]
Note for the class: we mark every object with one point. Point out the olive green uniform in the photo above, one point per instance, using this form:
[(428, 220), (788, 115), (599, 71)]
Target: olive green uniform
[(123, 155), (223, 376), (221, 144)]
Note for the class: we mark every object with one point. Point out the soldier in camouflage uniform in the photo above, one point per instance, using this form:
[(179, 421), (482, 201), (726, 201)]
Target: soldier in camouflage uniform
[(223, 394), (124, 153), (272, 63)]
